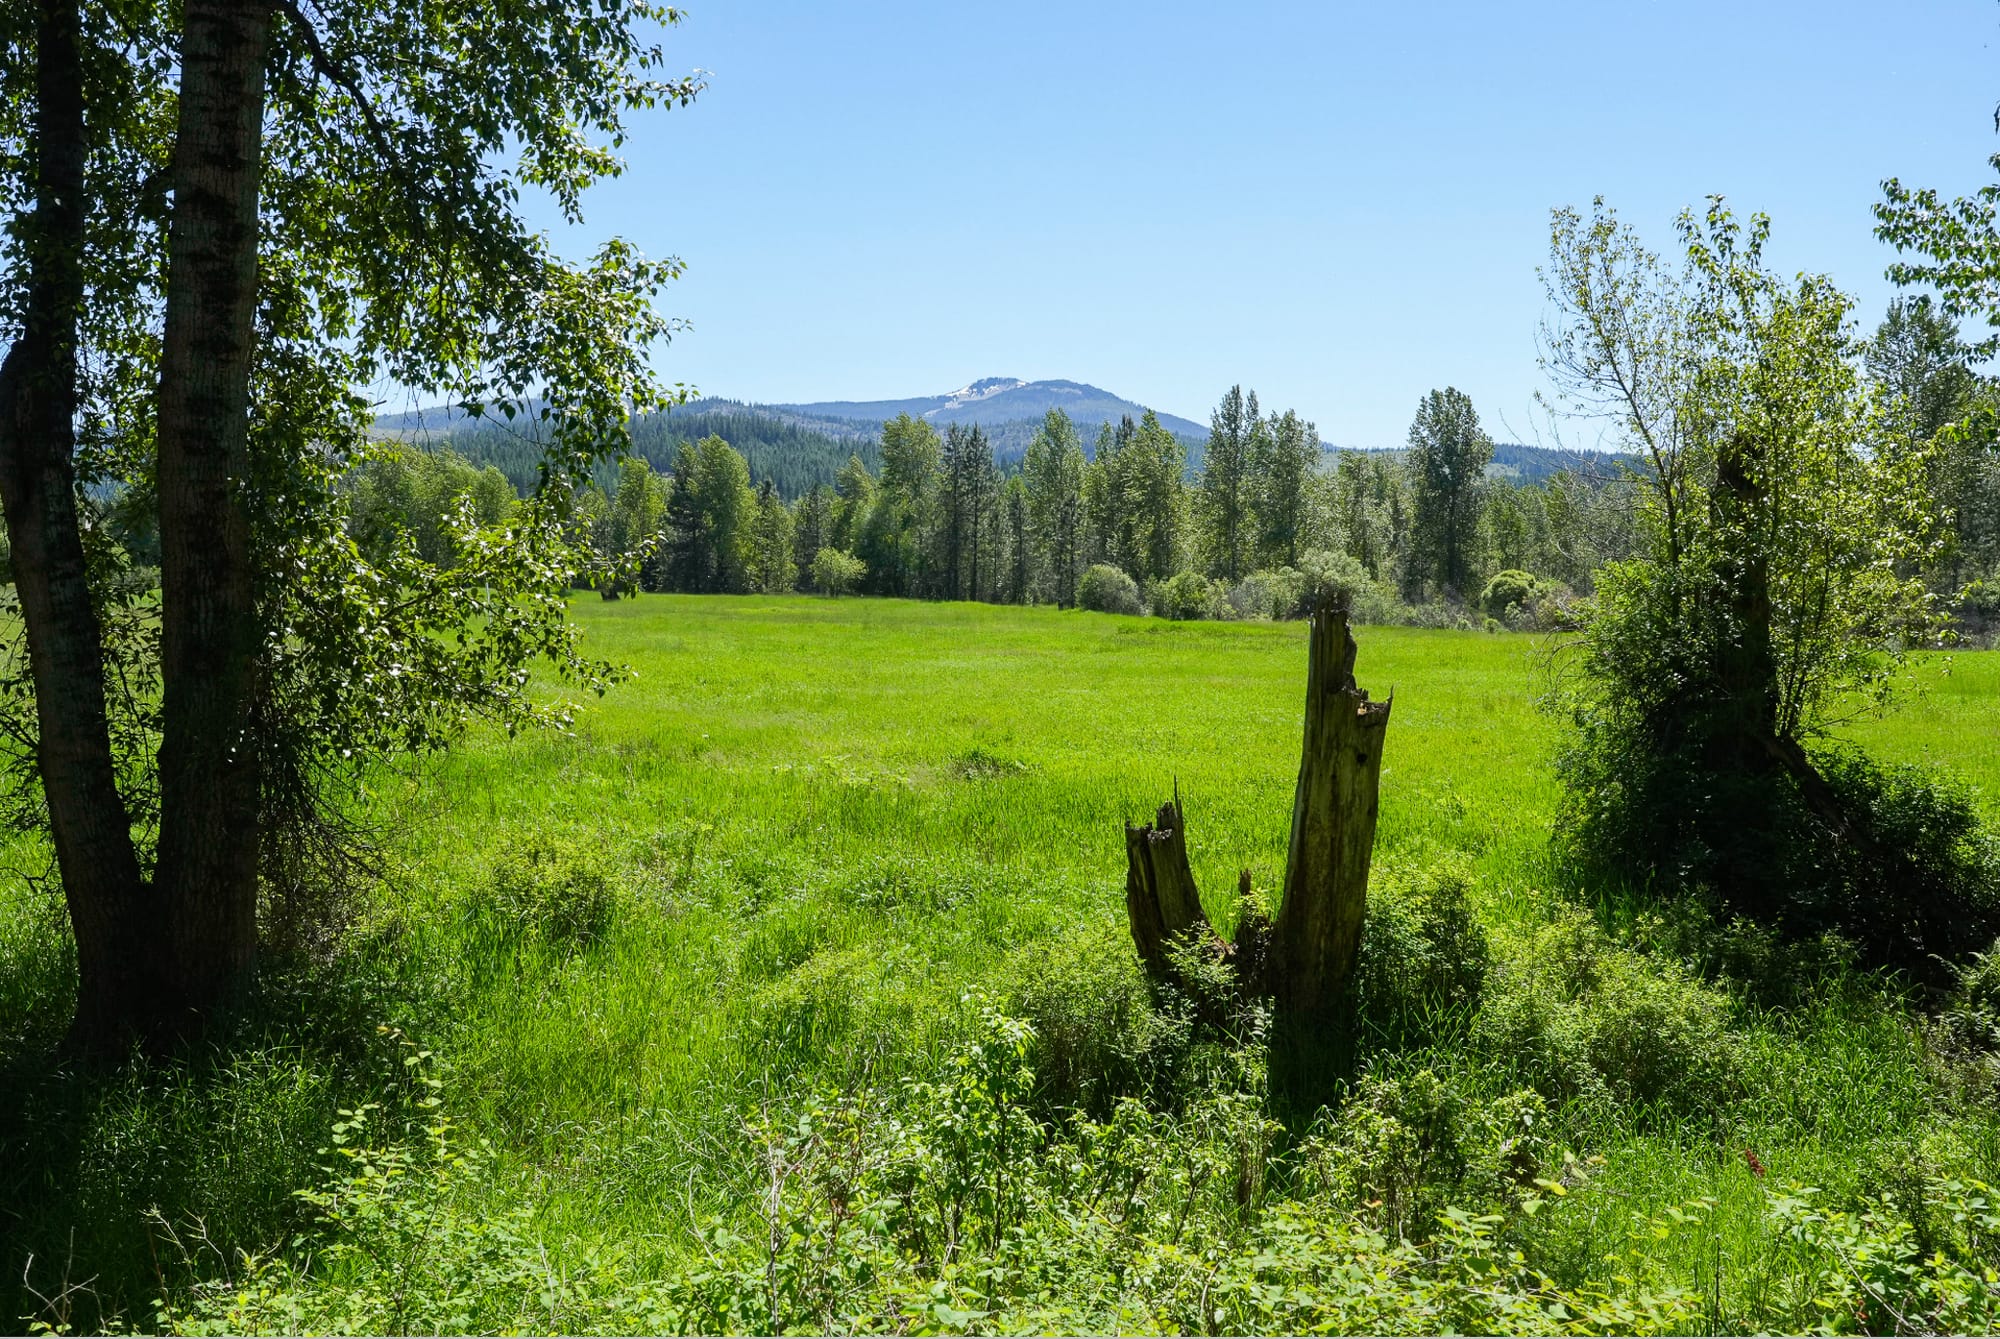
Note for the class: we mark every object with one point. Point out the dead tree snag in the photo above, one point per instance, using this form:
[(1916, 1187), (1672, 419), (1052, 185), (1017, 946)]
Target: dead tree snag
[(1305, 957)]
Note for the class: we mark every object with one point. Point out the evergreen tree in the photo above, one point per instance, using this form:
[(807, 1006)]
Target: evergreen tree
[(1054, 475), (965, 498), (771, 569), (726, 510), (1924, 371), (1225, 500), (1448, 457), (1019, 587), (1155, 499), (813, 528), (1101, 501), (1287, 453)]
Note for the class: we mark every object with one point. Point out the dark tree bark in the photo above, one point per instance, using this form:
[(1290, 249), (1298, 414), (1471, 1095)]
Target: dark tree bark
[(207, 874), (1333, 824), (1747, 739), (110, 912), (1161, 900), (1306, 958)]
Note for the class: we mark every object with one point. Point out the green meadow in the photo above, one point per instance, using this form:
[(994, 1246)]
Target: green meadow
[(805, 844)]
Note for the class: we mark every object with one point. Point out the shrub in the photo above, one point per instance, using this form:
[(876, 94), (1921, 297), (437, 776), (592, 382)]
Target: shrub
[(1107, 590), (1405, 1148), (1578, 1016), (1324, 573), (1270, 594), (1188, 596), (1423, 959), (564, 894), (1098, 1037), (1905, 870), (836, 571), (1511, 589), (1914, 883)]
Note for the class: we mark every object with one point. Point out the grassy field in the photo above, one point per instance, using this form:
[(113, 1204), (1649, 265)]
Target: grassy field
[(798, 848)]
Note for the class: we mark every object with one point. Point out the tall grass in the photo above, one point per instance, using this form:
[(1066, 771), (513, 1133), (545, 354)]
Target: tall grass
[(798, 849)]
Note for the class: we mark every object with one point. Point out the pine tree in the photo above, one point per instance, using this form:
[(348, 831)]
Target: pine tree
[(813, 526), (1101, 501), (1448, 457), (687, 546), (1014, 507), (1054, 475), (1225, 501), (1155, 499), (1285, 456)]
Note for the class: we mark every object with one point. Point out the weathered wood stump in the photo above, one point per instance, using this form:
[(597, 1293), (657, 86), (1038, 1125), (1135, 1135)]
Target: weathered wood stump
[(1304, 959)]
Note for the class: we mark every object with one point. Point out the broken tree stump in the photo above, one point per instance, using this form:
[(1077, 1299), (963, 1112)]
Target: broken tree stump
[(1306, 957)]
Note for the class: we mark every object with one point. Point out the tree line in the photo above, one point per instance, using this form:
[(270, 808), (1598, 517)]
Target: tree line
[(1267, 510)]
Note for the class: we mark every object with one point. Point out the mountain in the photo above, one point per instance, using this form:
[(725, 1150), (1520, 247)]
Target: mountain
[(797, 445), (995, 400)]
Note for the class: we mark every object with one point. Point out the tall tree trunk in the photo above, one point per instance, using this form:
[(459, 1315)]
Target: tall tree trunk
[(1747, 741), (207, 875), (1333, 824), (1306, 958), (118, 955)]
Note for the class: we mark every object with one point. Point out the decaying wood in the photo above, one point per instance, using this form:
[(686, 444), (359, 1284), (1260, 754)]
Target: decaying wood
[(1333, 824), (1161, 900), (1307, 955)]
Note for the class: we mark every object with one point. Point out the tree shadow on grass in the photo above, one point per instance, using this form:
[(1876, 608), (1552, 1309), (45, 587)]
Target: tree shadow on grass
[(99, 1159)]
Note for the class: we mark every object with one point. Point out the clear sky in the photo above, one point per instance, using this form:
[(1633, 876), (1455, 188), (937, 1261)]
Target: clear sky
[(1338, 205)]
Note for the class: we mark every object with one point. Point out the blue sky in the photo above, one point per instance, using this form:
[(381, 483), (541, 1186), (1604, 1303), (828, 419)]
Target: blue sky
[(1341, 206)]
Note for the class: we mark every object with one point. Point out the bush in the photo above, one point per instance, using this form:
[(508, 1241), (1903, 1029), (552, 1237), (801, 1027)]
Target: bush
[(1914, 883), (1324, 574), (1511, 589), (565, 895), (1405, 1148), (1188, 596), (1423, 959), (836, 571), (1271, 594), (1578, 1016), (1098, 1037), (1906, 871), (1107, 590)]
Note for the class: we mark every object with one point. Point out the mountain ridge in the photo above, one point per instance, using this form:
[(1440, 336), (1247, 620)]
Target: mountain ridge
[(993, 400)]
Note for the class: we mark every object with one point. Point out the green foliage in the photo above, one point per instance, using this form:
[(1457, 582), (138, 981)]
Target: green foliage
[(1448, 456), (946, 1205), (1933, 1272), (1190, 595), (1107, 590), (835, 572), (1915, 884), (1507, 590), (1581, 1018), (1404, 1150), (1054, 468), (405, 1240), (1777, 594), (398, 494), (1098, 1035), (563, 895), (1423, 960)]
